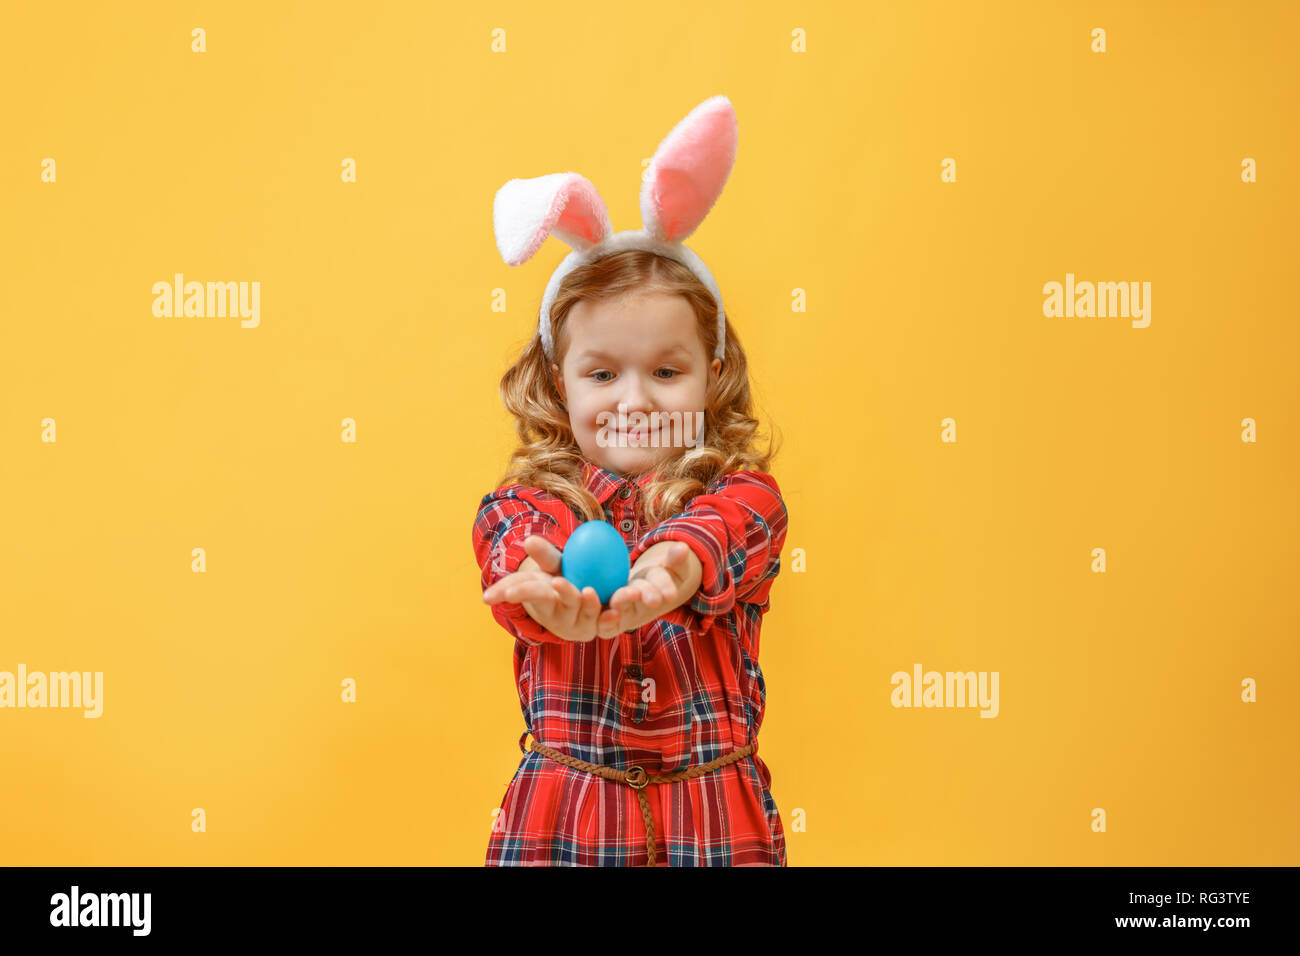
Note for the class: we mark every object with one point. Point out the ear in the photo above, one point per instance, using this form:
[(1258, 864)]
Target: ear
[(558, 379), (526, 211), (688, 170)]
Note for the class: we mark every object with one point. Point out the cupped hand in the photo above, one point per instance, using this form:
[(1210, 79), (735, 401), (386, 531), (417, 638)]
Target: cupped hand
[(660, 582), (549, 598)]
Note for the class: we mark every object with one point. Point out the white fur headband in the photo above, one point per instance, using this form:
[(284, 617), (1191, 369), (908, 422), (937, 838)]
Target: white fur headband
[(684, 180)]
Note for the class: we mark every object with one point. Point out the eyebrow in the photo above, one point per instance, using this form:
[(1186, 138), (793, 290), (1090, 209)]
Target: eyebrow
[(598, 354)]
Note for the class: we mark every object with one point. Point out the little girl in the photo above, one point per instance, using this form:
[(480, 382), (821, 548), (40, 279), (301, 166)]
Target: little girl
[(644, 716)]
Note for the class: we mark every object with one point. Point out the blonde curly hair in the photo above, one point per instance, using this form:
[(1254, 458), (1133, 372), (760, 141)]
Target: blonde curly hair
[(548, 456)]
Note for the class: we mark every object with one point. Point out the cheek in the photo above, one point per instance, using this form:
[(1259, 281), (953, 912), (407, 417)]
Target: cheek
[(582, 413)]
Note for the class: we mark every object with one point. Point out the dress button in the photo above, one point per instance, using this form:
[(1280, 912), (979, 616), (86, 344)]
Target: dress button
[(626, 492), (625, 524), (634, 671)]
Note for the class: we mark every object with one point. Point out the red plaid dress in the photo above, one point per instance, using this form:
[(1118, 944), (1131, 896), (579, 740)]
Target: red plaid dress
[(678, 692)]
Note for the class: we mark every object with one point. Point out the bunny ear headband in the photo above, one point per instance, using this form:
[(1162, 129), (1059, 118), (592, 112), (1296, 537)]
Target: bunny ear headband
[(684, 180)]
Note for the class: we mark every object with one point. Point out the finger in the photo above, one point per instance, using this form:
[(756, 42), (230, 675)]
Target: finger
[(663, 584), (673, 557), (652, 592), (644, 592), (609, 624), (543, 552), (630, 610), (567, 594), (570, 600), (590, 608), (492, 594), (678, 553), (614, 617), (632, 605), (623, 596), (677, 560), (496, 592), (529, 589)]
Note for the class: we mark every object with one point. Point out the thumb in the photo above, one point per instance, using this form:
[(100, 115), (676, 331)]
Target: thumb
[(677, 554), (543, 552)]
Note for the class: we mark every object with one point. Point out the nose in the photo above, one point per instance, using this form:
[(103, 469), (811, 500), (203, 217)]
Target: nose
[(637, 396)]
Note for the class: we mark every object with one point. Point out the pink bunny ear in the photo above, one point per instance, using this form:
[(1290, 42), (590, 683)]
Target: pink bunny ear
[(526, 211), (689, 169)]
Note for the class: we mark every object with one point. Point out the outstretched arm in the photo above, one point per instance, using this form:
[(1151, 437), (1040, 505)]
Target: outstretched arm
[(736, 529)]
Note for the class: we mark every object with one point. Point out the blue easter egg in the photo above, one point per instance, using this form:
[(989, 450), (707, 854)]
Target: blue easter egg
[(595, 556)]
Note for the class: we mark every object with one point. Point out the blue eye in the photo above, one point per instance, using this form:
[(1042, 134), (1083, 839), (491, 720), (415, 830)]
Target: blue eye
[(671, 372), (600, 372)]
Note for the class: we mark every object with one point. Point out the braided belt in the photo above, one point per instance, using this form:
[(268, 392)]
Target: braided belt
[(637, 778)]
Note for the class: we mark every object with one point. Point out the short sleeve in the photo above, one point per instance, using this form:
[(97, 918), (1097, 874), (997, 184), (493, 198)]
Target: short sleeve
[(506, 517), (737, 528)]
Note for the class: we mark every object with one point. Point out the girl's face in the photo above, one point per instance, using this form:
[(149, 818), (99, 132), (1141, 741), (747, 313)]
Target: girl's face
[(640, 349)]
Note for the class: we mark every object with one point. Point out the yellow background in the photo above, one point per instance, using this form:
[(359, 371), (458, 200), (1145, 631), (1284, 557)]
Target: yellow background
[(329, 560)]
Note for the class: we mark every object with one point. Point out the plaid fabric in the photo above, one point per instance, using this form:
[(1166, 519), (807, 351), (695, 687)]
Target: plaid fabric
[(677, 692)]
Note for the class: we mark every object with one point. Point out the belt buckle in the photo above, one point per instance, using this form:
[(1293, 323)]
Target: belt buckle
[(636, 778)]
